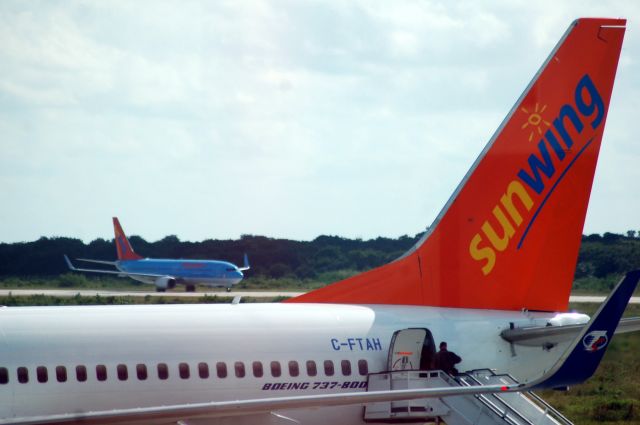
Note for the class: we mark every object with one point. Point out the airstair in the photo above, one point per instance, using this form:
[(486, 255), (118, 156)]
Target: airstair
[(517, 408)]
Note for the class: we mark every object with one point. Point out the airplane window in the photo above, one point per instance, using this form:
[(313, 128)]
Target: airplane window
[(294, 369), (221, 369), (275, 369), (183, 368), (312, 370), (123, 374), (363, 367), (239, 366), (203, 370), (346, 367), (42, 375), (141, 371), (81, 373), (231, 269), (101, 372), (328, 368), (23, 375), (163, 371), (4, 375), (257, 369), (61, 373)]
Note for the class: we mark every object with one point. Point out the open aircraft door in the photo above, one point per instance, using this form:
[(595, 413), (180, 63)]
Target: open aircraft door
[(411, 349)]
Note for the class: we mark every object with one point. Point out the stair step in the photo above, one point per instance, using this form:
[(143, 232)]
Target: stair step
[(487, 409)]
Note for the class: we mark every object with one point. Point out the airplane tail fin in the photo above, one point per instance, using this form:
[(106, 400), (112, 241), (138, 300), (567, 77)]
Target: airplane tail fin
[(508, 237), (123, 247)]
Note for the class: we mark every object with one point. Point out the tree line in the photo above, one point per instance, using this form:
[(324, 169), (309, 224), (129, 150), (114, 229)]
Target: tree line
[(600, 257), (268, 257)]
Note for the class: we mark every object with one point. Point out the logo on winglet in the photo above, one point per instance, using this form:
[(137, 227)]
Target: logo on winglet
[(595, 340)]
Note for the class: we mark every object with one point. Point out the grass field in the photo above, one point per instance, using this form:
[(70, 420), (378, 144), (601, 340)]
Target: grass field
[(80, 281), (582, 286)]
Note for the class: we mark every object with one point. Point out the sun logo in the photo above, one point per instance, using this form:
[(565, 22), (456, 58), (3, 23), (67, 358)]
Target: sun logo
[(535, 120)]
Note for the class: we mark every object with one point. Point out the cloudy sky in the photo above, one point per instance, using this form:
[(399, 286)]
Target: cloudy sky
[(279, 118)]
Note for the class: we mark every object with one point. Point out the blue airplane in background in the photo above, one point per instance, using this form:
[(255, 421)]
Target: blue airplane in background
[(165, 273)]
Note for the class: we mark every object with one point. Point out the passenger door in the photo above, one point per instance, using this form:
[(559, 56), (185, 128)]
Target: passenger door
[(406, 349)]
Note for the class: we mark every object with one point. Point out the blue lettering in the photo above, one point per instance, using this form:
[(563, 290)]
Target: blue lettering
[(536, 165), (351, 343), (596, 101), (567, 112), (551, 138), (355, 344), (335, 344), (376, 343)]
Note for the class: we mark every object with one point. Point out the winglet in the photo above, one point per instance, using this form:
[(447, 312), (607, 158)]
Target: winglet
[(582, 358), (246, 264), (71, 267)]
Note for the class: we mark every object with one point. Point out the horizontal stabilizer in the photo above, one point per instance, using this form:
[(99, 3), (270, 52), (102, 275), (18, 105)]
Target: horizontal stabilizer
[(118, 272), (86, 260), (545, 336)]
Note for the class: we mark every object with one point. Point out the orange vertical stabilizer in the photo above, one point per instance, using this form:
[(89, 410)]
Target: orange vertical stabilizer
[(508, 237), (123, 247)]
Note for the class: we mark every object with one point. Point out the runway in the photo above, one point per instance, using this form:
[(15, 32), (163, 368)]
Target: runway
[(102, 293), (251, 294)]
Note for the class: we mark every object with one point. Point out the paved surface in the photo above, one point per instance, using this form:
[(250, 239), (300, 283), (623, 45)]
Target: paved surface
[(93, 293), (596, 299), (253, 294)]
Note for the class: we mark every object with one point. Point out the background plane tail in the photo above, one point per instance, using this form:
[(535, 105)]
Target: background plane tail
[(508, 237), (123, 247)]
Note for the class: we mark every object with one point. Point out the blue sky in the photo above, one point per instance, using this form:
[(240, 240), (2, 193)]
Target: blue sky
[(279, 118)]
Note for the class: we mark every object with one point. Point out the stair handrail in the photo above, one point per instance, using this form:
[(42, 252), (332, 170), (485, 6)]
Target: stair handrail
[(502, 413), (548, 409)]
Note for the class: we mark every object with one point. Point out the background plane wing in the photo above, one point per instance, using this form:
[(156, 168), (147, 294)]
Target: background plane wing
[(116, 272)]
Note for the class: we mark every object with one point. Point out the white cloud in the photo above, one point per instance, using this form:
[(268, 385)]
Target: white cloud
[(279, 118)]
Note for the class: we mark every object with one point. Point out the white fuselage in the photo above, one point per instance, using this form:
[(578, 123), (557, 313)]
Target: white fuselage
[(61, 339)]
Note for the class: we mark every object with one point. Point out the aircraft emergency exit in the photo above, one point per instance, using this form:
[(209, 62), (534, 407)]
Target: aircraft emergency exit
[(491, 277), (164, 273)]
